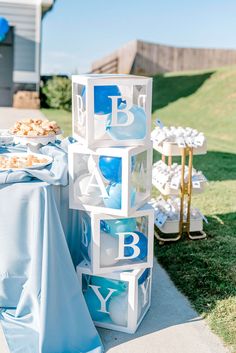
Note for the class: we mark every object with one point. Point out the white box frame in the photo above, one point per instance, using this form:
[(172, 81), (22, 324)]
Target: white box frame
[(125, 153), (91, 80), (94, 264), (132, 278)]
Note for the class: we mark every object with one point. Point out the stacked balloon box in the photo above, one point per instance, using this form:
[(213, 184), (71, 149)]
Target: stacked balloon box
[(117, 300), (111, 110), (110, 243), (110, 180), (110, 183)]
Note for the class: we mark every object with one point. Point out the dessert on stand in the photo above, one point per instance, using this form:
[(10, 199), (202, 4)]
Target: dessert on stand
[(173, 212)]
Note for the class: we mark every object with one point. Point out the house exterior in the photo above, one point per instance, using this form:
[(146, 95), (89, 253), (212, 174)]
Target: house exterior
[(21, 47)]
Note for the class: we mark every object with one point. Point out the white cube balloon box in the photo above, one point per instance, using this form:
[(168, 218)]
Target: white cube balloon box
[(109, 243), (111, 180), (111, 110), (118, 300)]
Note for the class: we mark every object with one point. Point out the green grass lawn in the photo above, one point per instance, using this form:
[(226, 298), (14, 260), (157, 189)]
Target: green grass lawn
[(62, 117), (203, 270), (206, 270)]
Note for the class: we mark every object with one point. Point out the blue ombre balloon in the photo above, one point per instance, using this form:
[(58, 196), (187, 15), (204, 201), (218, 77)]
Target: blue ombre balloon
[(92, 300), (94, 305), (111, 168), (104, 283), (142, 244), (115, 226), (114, 199), (135, 131)]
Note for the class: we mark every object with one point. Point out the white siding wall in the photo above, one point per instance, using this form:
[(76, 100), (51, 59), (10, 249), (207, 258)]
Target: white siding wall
[(26, 19)]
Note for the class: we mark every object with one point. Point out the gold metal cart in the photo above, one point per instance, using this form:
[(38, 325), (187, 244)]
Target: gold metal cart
[(185, 193)]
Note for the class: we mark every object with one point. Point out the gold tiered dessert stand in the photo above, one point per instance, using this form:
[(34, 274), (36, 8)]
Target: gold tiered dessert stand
[(168, 151)]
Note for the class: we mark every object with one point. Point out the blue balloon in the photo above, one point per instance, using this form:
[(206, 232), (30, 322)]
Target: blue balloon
[(144, 276), (92, 300), (105, 283), (102, 102), (94, 305), (135, 131), (114, 226), (114, 199), (142, 244), (111, 168), (4, 28)]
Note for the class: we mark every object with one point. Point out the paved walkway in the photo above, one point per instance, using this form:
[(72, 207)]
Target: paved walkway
[(8, 116), (171, 325)]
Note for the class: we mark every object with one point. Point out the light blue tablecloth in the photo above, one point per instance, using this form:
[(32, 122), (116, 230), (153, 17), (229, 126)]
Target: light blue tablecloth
[(43, 309)]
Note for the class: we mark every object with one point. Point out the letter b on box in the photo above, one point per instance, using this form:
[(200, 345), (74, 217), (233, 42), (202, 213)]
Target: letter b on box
[(110, 243), (111, 110)]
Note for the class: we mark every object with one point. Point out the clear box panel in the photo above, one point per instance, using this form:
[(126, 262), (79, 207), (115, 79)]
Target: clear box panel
[(85, 235), (79, 109), (123, 241), (98, 180), (107, 299), (144, 291), (120, 112), (140, 96), (139, 178)]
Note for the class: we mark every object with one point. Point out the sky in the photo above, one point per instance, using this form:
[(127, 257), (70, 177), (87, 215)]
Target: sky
[(76, 32)]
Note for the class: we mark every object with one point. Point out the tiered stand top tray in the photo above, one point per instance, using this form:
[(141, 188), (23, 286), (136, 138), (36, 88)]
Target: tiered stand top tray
[(171, 149)]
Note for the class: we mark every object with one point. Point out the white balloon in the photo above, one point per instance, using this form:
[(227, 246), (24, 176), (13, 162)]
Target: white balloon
[(100, 123), (94, 198), (108, 249), (118, 309)]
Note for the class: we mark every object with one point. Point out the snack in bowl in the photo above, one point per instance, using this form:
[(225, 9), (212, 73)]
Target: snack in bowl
[(21, 161), (35, 128)]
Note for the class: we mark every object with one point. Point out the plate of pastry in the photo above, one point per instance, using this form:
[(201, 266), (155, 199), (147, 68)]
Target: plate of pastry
[(22, 161), (38, 131)]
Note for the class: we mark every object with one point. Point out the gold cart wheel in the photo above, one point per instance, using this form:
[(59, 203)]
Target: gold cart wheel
[(198, 235)]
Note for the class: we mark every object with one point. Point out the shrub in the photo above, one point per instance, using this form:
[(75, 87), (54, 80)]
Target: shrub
[(57, 93)]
